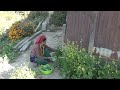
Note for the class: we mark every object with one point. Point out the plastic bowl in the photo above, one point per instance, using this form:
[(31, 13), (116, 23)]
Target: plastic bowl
[(46, 71)]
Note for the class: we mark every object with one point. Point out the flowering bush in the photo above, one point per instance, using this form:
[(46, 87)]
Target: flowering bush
[(76, 63), (15, 32), (27, 26)]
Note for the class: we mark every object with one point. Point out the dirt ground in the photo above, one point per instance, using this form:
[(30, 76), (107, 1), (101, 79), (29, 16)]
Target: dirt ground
[(54, 39)]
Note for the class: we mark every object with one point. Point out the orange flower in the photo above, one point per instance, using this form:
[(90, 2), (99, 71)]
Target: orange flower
[(15, 32)]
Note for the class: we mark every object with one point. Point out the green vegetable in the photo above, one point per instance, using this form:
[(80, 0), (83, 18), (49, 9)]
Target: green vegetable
[(46, 67)]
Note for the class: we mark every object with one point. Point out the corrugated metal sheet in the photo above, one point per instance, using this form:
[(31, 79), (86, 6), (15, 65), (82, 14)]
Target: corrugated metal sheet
[(108, 30), (107, 33), (78, 26)]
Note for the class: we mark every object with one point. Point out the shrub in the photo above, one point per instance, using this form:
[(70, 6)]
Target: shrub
[(58, 18), (78, 64), (37, 16), (7, 51), (34, 14), (28, 27), (15, 32), (30, 23), (23, 72)]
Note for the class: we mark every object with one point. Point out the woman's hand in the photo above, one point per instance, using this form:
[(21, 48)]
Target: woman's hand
[(52, 54), (47, 58)]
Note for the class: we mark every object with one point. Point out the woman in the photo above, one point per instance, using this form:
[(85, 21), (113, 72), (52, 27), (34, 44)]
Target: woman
[(40, 53)]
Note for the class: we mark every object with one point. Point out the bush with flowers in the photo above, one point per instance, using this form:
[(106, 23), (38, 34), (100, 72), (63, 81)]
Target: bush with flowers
[(21, 29), (16, 32), (76, 63), (27, 26)]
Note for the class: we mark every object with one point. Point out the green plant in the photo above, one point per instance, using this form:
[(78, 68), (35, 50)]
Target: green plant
[(28, 27), (58, 18), (37, 16), (33, 14), (78, 64), (109, 70), (46, 67), (23, 72), (3, 37), (6, 50), (30, 23)]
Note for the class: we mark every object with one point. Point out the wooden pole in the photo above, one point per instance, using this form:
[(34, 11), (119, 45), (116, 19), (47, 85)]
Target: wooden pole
[(38, 25), (34, 35), (25, 40), (20, 42), (64, 28), (92, 35)]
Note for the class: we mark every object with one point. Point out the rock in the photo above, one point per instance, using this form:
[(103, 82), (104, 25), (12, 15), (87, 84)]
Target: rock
[(25, 46), (46, 22), (64, 26)]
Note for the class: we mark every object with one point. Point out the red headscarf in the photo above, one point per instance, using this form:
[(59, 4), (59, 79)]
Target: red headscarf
[(40, 39)]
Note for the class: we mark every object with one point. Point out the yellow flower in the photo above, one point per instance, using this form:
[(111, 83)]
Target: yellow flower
[(15, 32)]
